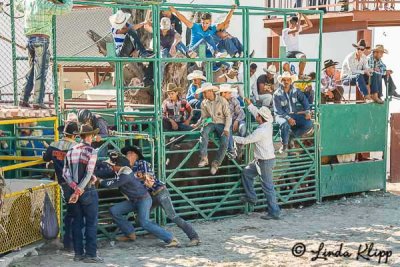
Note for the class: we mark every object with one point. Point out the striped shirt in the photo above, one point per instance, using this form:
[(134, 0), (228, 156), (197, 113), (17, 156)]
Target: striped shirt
[(119, 38), (79, 165), (39, 14), (179, 111)]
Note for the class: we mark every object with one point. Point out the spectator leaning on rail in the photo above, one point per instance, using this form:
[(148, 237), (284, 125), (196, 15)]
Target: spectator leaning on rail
[(264, 161), (290, 37), (176, 111), (331, 90), (286, 111), (158, 191), (216, 109), (175, 22), (202, 33), (56, 153), (38, 15), (380, 72), (80, 162), (238, 116), (138, 200)]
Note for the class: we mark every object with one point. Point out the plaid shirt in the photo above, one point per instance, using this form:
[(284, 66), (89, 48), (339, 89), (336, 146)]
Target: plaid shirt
[(39, 14), (179, 111), (79, 165), (372, 63), (145, 168), (237, 112)]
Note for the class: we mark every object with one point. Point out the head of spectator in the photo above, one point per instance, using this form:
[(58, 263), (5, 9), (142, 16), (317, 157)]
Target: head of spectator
[(378, 51), (87, 133), (330, 67), (271, 71), (130, 117), (253, 69), (264, 115), (70, 129), (293, 21), (205, 21), (311, 76), (166, 13), (72, 117), (132, 153), (226, 91), (85, 116), (209, 91), (117, 161), (196, 77), (361, 46), (165, 24), (173, 92), (286, 80), (119, 20), (233, 72)]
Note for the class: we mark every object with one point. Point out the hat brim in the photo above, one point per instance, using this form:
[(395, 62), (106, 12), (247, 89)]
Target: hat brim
[(380, 50), (119, 26), (109, 162), (192, 77), (270, 72), (334, 64), (357, 46), (233, 90), (176, 89), (214, 88), (293, 78), (94, 132)]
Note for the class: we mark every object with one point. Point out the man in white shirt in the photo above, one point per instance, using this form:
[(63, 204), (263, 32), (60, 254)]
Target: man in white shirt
[(290, 38), (264, 161), (355, 68)]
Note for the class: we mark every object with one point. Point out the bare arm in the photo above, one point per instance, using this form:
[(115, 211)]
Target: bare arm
[(225, 24), (308, 24), (181, 17)]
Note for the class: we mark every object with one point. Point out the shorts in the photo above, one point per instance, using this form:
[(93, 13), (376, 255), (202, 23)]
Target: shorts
[(295, 54)]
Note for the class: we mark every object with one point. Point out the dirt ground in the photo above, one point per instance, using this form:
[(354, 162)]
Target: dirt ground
[(367, 225)]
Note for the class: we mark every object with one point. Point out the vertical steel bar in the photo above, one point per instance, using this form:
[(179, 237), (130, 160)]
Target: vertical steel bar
[(317, 134), (55, 69), (14, 53)]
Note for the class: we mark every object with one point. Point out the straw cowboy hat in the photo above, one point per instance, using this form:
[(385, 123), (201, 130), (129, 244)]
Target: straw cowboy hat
[(119, 19), (207, 87), (329, 63), (380, 48), (197, 74), (165, 24), (87, 130), (227, 88), (361, 44), (171, 87), (271, 69), (287, 74), (265, 113)]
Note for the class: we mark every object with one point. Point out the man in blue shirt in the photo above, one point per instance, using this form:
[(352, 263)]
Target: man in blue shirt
[(202, 33)]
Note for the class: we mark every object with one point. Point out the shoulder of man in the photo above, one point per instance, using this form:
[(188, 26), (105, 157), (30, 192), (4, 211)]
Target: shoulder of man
[(125, 171)]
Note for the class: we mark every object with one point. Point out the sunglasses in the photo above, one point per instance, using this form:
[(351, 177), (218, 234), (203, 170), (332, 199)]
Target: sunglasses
[(361, 49)]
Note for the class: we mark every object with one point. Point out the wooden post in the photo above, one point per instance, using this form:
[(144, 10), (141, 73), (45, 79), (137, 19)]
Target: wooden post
[(273, 47)]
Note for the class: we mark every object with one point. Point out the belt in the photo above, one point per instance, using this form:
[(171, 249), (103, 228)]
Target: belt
[(39, 35), (155, 193)]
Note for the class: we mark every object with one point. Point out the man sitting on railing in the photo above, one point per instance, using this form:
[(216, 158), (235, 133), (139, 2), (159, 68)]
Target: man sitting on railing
[(331, 90), (226, 42), (380, 72), (125, 36), (266, 85), (176, 111), (193, 96), (175, 22), (286, 111), (290, 37), (202, 33), (216, 108)]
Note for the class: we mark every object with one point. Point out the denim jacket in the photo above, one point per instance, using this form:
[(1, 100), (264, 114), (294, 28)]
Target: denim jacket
[(286, 104)]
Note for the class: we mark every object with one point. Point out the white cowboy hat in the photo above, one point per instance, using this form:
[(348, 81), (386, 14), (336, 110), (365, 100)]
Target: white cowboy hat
[(197, 74), (165, 24), (271, 69), (119, 19), (287, 74), (227, 88), (265, 113), (206, 87)]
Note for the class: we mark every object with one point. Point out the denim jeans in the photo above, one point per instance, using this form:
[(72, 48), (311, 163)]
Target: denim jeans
[(301, 127), (85, 213), (230, 45), (165, 52), (38, 57), (131, 42), (376, 84), (181, 126), (205, 132), (241, 132), (163, 199), (142, 207), (209, 42), (66, 192), (359, 79), (267, 185)]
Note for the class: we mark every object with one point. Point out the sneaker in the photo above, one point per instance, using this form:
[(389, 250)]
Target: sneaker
[(173, 244), (221, 55), (231, 154), (246, 200), (309, 133), (270, 217), (24, 104), (194, 242), (40, 106), (147, 54), (283, 149), (203, 162), (79, 257), (93, 260), (395, 94), (130, 237), (214, 167)]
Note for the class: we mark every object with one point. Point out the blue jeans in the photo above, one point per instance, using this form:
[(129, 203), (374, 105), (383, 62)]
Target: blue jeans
[(181, 126), (376, 84), (205, 132), (359, 79), (38, 57), (163, 199), (67, 191), (209, 42), (231, 45), (85, 213), (301, 127), (142, 207), (179, 47), (241, 132), (267, 185)]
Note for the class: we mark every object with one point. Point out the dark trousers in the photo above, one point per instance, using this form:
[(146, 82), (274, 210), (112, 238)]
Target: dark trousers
[(390, 86), (181, 126), (68, 217), (131, 42), (337, 96)]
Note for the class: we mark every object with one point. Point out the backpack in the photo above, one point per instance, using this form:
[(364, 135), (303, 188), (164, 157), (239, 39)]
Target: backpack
[(49, 223)]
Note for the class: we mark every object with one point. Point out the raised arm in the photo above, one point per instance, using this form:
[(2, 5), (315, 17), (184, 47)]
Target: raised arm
[(57, 9), (308, 24), (181, 17), (225, 24)]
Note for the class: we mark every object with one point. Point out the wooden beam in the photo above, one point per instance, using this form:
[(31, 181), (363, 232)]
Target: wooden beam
[(377, 16)]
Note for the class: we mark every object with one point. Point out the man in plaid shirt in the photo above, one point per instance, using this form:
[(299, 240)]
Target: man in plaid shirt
[(78, 170)]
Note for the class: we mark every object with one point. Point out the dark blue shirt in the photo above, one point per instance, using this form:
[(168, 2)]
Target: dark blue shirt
[(145, 168)]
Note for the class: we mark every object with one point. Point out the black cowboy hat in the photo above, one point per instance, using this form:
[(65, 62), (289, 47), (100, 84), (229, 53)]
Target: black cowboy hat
[(329, 63), (135, 149), (70, 128), (361, 44), (86, 130), (117, 159)]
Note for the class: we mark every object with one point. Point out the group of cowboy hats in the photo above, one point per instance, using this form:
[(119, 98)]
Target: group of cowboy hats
[(272, 70), (361, 44)]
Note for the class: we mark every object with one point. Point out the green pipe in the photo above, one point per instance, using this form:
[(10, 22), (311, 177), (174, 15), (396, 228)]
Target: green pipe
[(14, 53)]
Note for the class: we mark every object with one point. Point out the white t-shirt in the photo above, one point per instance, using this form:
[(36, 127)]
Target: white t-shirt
[(291, 42)]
